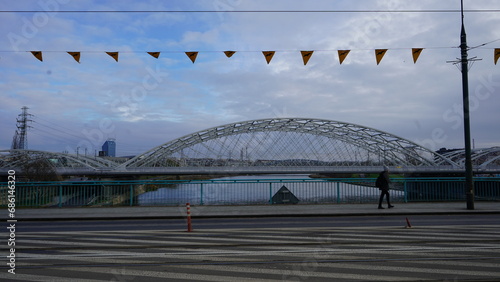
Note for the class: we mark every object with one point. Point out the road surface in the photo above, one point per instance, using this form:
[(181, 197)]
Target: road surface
[(368, 248)]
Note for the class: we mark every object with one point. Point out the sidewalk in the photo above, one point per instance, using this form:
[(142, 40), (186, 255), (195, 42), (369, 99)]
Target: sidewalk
[(252, 211)]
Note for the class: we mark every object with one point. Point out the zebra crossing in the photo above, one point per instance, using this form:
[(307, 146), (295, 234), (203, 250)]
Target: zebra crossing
[(445, 253)]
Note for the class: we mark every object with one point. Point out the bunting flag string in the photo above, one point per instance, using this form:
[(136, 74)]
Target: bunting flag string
[(76, 56), (154, 54), (192, 56), (416, 53), (496, 55), (113, 55), (229, 54), (38, 55), (306, 55), (379, 54), (343, 54), (268, 55)]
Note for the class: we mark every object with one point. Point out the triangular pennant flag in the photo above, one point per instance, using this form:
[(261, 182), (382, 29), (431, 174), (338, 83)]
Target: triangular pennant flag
[(343, 54), (269, 55), (38, 55), (379, 54), (306, 55), (114, 55), (497, 55), (416, 52), (76, 56), (192, 56), (229, 54), (154, 54)]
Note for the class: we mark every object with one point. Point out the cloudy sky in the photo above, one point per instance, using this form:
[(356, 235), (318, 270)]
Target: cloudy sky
[(144, 102)]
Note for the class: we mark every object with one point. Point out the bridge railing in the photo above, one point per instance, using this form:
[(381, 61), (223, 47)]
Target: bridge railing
[(241, 192)]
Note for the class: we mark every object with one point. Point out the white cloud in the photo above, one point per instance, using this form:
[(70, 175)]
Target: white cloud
[(410, 100)]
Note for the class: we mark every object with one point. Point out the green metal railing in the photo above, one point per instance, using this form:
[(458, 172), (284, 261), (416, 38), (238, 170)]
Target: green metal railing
[(240, 191)]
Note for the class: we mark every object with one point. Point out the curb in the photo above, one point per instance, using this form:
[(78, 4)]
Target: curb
[(218, 216)]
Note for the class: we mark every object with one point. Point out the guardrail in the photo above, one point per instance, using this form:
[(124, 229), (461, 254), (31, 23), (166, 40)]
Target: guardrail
[(241, 191)]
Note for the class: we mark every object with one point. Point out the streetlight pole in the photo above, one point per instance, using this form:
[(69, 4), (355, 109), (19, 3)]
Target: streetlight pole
[(469, 183)]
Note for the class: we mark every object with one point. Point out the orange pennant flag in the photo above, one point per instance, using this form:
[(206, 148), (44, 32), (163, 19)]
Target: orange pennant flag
[(497, 55), (114, 55), (379, 54), (306, 55), (75, 55), (229, 54), (154, 54), (343, 54), (269, 55), (192, 56), (416, 52), (38, 55)]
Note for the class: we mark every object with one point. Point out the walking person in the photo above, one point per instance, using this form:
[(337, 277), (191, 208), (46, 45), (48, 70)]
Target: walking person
[(383, 185)]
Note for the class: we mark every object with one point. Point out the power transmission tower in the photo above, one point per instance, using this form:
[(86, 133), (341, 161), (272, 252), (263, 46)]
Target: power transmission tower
[(20, 140)]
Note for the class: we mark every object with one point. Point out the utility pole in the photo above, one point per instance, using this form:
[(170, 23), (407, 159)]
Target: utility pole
[(469, 183)]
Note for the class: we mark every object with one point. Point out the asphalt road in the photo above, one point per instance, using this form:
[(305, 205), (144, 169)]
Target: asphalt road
[(367, 248), (265, 222)]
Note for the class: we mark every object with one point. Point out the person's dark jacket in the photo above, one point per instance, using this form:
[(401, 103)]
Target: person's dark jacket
[(383, 184)]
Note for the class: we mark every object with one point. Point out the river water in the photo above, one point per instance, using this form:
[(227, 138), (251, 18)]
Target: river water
[(238, 190)]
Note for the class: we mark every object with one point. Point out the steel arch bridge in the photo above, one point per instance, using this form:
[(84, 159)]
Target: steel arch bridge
[(287, 141), (267, 144)]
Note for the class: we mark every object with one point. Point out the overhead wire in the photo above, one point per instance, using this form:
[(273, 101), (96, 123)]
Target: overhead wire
[(55, 134), (220, 51), (484, 44), (66, 135), (72, 132), (259, 11), (46, 136)]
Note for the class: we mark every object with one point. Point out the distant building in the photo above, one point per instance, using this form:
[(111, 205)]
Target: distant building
[(443, 151), (109, 148)]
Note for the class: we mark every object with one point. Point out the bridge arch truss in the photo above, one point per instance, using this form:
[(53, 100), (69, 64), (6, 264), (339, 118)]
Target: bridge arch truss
[(288, 142), (18, 158)]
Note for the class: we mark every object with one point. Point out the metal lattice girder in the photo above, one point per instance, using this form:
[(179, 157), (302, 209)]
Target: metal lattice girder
[(392, 149), (484, 157), (294, 141), (18, 158), (480, 157)]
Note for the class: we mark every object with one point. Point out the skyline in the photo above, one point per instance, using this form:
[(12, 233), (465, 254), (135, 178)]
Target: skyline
[(143, 101)]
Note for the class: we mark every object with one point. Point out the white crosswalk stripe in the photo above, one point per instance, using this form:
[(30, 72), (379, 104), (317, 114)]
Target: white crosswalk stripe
[(292, 254)]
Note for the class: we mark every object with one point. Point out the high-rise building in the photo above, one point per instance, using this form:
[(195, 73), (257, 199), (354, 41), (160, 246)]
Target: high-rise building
[(109, 147)]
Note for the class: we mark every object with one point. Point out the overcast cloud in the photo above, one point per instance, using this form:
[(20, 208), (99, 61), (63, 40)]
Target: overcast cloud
[(144, 102)]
